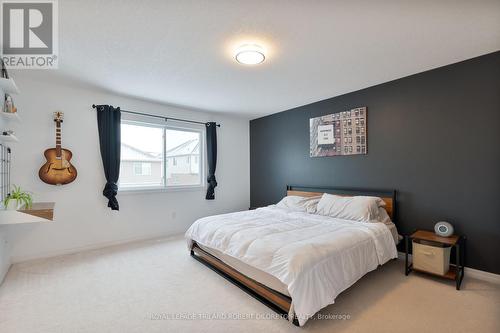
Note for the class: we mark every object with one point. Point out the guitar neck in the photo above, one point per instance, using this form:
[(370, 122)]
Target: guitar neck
[(58, 139)]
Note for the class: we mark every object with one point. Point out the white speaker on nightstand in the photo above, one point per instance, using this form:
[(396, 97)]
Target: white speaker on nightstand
[(443, 229)]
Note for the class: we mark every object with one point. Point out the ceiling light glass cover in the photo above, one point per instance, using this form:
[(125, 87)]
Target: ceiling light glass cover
[(250, 54)]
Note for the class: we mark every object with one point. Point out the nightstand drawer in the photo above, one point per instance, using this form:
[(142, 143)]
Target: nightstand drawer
[(431, 257)]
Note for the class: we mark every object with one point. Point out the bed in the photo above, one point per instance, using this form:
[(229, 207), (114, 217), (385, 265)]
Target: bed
[(294, 262)]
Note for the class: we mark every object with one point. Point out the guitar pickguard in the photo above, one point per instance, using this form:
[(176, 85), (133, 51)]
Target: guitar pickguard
[(57, 169)]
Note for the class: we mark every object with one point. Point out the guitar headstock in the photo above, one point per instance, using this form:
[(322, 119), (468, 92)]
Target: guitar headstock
[(58, 116)]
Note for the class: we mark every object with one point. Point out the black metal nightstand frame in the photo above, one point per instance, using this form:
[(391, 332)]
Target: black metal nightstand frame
[(459, 260)]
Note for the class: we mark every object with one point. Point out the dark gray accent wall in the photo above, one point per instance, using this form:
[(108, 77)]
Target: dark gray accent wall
[(432, 136)]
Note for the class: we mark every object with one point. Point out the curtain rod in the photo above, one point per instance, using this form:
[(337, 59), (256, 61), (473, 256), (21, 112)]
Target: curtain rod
[(160, 117)]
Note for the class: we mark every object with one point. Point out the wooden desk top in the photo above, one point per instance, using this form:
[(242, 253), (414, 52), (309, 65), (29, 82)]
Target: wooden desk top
[(40, 209), (432, 237)]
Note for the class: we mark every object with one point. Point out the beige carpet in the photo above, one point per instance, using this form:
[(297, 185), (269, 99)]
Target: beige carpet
[(138, 287)]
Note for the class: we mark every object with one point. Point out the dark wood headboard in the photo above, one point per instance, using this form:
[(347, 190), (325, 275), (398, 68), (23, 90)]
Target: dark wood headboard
[(389, 196)]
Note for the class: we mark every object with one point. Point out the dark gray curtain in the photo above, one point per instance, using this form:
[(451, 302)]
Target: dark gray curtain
[(108, 122), (212, 159)]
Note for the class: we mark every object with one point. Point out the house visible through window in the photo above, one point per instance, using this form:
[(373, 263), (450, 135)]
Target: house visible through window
[(160, 156)]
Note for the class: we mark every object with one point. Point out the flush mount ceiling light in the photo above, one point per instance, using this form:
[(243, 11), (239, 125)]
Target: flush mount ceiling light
[(249, 54)]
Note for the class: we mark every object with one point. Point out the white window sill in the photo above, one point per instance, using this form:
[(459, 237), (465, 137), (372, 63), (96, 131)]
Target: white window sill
[(141, 190)]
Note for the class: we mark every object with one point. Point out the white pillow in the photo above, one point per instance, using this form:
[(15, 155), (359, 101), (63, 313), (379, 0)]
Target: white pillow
[(357, 208), (383, 217), (299, 204)]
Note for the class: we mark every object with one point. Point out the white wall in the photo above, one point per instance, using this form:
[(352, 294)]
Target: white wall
[(83, 220), (4, 246), (4, 252)]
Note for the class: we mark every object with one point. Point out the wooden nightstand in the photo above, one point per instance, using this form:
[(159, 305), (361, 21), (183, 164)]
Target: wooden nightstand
[(458, 242)]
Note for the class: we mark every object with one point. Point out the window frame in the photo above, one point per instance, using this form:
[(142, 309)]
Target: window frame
[(171, 124)]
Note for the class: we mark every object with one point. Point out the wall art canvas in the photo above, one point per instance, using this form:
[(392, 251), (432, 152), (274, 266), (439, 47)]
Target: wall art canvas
[(341, 133)]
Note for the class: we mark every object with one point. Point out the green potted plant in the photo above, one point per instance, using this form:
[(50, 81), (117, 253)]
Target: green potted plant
[(17, 198)]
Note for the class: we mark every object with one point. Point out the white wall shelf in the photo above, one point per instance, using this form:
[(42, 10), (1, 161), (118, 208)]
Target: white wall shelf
[(8, 138), (10, 116), (15, 217), (39, 213), (9, 86)]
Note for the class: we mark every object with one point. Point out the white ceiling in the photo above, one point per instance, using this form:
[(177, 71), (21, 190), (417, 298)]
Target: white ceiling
[(180, 52)]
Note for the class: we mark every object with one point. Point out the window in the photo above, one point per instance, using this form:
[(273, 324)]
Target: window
[(142, 169), (180, 145), (158, 156)]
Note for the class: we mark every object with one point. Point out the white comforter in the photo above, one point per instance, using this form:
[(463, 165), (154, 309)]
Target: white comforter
[(316, 257)]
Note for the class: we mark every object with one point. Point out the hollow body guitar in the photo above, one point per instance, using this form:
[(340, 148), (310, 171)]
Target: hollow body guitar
[(58, 169)]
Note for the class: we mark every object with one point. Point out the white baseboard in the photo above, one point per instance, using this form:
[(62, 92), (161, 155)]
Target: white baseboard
[(3, 271), (97, 246), (482, 275), (469, 272)]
